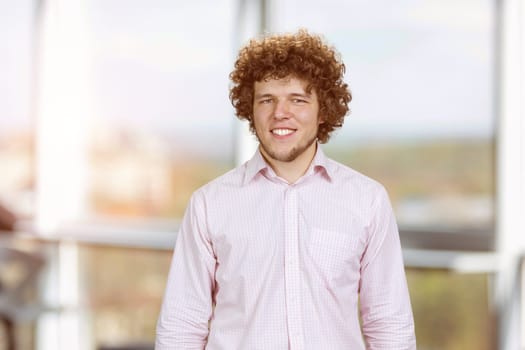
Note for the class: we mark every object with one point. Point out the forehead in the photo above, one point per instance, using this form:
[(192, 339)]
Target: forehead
[(288, 84)]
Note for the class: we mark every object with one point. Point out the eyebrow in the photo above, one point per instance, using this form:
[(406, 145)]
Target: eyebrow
[(293, 94)]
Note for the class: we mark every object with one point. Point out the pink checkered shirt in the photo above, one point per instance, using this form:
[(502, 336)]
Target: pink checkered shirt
[(264, 264)]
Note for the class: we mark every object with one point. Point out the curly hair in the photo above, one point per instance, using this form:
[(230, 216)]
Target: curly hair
[(301, 55)]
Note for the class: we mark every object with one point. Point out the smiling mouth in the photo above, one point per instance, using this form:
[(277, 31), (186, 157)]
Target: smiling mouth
[(282, 132)]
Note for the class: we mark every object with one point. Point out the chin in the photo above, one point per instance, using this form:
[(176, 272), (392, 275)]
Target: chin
[(287, 156)]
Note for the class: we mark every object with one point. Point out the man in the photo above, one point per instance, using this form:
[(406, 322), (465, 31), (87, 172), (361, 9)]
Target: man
[(289, 249)]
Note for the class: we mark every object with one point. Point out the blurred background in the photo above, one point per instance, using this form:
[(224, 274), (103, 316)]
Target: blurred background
[(113, 112)]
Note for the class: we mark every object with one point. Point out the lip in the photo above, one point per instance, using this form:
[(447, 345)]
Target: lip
[(283, 136)]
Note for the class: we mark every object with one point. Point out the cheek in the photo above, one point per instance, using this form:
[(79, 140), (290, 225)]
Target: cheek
[(260, 114), (258, 122)]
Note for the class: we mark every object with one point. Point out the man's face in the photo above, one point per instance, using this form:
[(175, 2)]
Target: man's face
[(286, 118)]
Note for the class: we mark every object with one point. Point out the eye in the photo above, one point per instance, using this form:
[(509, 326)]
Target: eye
[(265, 101), (298, 100)]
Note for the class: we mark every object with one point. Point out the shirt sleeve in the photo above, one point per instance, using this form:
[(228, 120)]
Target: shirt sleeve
[(187, 305), (384, 299)]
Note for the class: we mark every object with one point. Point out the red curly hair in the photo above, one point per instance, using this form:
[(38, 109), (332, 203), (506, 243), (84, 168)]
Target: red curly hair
[(301, 55)]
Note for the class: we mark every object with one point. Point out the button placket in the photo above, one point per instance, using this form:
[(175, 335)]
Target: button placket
[(292, 270)]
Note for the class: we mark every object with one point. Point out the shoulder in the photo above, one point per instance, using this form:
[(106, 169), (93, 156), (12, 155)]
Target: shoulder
[(229, 181), (356, 181), (365, 193)]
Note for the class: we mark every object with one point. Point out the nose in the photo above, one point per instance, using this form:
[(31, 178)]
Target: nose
[(281, 110)]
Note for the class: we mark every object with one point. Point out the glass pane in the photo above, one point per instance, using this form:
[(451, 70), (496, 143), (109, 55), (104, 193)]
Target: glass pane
[(451, 310), (164, 124), (421, 74), (16, 125), (123, 306)]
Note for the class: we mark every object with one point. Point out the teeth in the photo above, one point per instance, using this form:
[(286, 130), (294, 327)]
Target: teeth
[(282, 132)]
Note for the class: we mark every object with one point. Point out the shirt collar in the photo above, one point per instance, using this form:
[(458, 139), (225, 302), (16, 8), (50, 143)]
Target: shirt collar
[(254, 166), (257, 164), (321, 162)]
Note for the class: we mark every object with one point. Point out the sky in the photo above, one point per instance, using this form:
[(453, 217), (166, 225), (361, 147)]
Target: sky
[(417, 69)]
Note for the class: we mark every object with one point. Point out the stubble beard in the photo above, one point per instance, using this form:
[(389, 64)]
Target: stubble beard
[(291, 155)]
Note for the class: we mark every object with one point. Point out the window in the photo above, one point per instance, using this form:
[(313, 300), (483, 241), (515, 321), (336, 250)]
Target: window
[(163, 124), (123, 307), (452, 310), (422, 123)]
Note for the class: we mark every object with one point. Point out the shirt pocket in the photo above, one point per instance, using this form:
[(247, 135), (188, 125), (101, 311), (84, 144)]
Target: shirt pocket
[(334, 254)]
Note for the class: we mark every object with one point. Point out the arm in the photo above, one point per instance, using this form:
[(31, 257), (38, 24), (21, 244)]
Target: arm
[(385, 302), (187, 304)]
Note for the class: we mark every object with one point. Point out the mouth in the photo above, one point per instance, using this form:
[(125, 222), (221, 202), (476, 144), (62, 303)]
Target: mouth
[(282, 131)]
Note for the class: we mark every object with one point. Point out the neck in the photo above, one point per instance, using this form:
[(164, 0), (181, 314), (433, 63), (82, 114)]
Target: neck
[(291, 171)]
